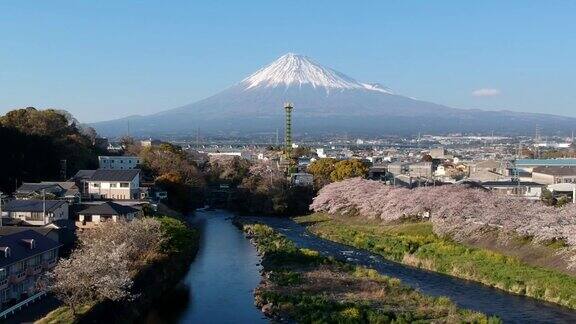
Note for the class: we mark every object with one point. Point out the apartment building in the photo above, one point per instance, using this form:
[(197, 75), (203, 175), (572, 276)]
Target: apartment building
[(118, 162), (24, 257), (554, 174)]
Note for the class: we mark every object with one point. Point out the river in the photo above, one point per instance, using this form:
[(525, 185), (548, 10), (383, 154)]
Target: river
[(466, 294), (219, 285)]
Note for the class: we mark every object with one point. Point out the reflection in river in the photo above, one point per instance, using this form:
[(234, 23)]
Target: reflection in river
[(219, 285)]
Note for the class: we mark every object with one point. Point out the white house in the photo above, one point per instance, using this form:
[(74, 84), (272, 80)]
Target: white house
[(94, 214), (36, 212), (114, 184), (440, 171), (118, 162)]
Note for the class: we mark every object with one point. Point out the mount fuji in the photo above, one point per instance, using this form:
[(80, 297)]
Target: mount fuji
[(325, 101)]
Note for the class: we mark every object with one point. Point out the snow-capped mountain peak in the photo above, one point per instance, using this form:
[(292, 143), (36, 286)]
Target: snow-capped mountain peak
[(298, 70)]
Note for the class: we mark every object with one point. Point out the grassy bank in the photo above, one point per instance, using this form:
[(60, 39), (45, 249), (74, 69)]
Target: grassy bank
[(300, 285), (415, 244), (150, 282)]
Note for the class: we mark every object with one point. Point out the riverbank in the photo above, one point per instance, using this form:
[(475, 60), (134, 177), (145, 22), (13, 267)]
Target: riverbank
[(150, 282), (414, 244), (301, 285)]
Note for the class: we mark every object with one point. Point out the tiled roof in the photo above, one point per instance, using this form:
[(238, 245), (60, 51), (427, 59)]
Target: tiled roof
[(28, 187), (20, 250), (114, 175), (83, 175), (32, 205), (108, 208)]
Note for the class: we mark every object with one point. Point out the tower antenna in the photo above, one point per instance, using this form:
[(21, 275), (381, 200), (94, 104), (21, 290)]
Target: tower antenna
[(288, 136), (537, 140)]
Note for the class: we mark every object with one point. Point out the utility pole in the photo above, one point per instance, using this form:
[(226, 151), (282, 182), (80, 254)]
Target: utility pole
[(44, 205), (1, 195), (537, 140)]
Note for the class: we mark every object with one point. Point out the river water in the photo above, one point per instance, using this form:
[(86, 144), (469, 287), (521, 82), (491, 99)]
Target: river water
[(466, 294), (219, 285)]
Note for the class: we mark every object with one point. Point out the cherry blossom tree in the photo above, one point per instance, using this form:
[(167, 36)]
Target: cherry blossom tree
[(104, 263), (456, 211)]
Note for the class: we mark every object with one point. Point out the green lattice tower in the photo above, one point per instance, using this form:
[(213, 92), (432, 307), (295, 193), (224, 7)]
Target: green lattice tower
[(288, 137)]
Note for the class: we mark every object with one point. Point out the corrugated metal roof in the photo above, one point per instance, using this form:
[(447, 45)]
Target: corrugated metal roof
[(556, 170), (545, 162)]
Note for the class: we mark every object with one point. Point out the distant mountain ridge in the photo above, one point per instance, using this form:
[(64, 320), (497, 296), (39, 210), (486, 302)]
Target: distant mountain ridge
[(325, 101)]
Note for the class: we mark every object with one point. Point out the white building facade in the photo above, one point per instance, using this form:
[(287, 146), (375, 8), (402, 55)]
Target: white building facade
[(118, 162)]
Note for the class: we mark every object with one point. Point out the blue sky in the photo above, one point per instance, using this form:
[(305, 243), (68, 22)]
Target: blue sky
[(106, 59)]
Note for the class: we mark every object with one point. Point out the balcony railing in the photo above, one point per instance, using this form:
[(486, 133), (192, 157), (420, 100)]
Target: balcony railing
[(34, 270), (48, 264), (17, 277)]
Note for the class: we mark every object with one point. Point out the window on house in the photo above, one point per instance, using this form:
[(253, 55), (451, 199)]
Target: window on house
[(4, 295), (113, 185), (50, 255), (96, 185), (124, 185)]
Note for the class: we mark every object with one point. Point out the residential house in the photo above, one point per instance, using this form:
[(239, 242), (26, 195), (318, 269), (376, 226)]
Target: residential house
[(36, 212), (486, 170), (81, 179), (398, 168), (109, 184), (302, 179), (567, 190), (67, 190), (525, 189), (554, 174), (421, 169), (114, 147), (150, 142), (118, 162), (377, 172), (439, 153), (24, 257), (47, 231), (94, 214)]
